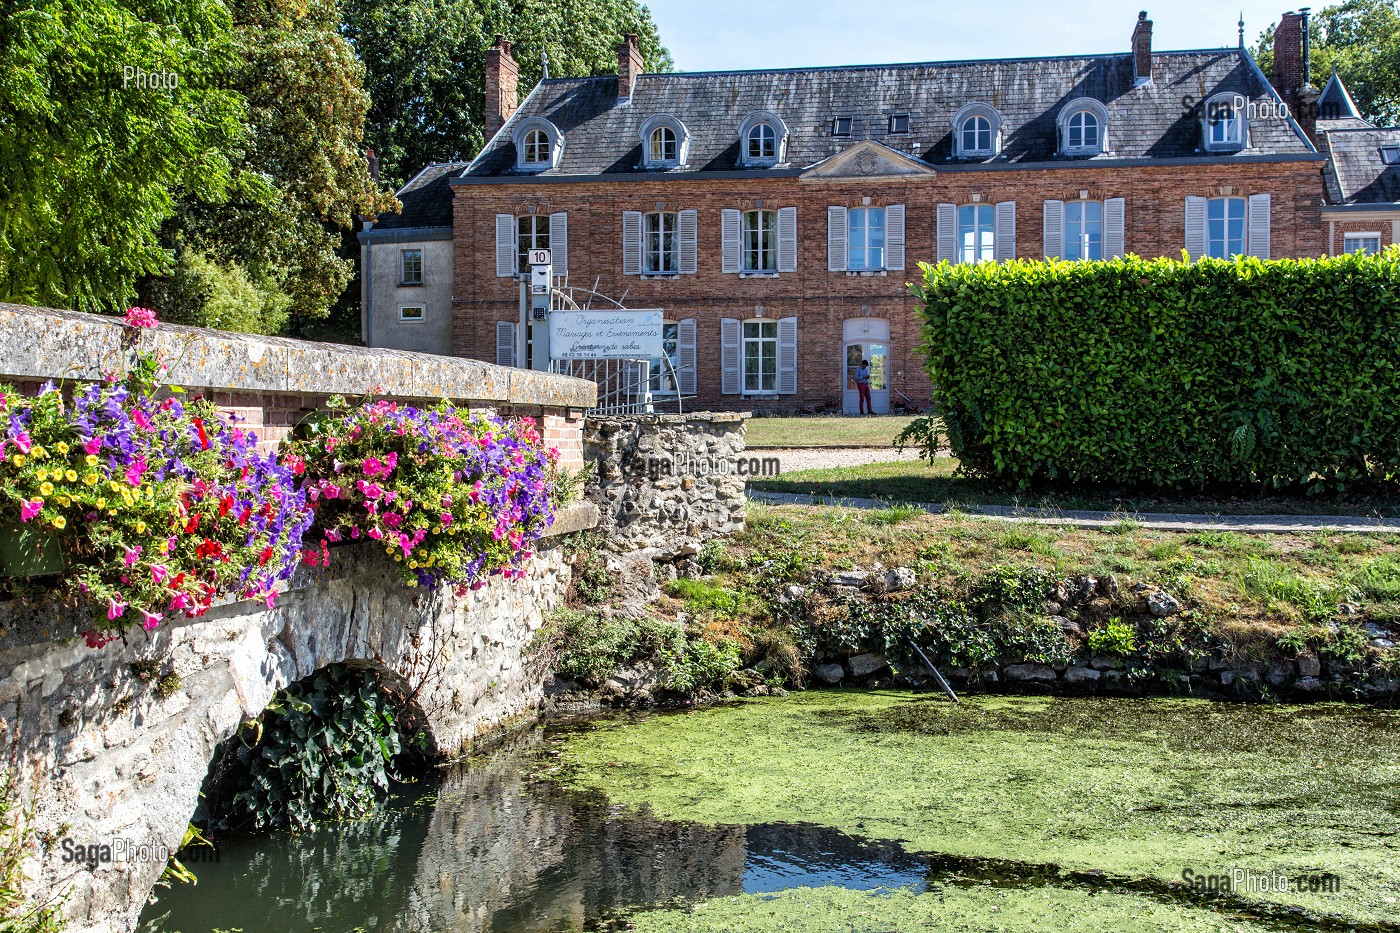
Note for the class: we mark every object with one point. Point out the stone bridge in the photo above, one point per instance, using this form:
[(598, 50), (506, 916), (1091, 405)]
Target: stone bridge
[(110, 746)]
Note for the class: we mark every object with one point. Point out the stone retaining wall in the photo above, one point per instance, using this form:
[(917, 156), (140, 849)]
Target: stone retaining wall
[(666, 484)]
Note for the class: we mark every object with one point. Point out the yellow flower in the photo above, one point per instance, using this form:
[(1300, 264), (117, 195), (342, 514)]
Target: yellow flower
[(61, 447), (92, 479), (64, 501), (140, 528), (112, 512), (38, 453), (59, 521), (413, 565), (399, 558), (70, 475), (90, 460), (102, 502), (17, 459), (114, 487), (46, 489)]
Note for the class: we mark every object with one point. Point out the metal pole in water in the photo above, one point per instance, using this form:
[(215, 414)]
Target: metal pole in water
[(937, 676)]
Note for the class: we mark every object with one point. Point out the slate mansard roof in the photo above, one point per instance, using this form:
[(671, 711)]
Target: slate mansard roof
[(426, 199), (1357, 173), (1145, 122)]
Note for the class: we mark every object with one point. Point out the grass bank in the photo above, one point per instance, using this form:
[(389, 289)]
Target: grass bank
[(922, 481), (825, 431)]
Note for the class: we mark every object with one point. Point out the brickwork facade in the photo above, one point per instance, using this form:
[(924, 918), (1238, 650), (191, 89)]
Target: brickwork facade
[(822, 300)]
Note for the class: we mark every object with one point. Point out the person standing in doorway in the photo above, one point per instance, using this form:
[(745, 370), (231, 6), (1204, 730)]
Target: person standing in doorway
[(863, 387)]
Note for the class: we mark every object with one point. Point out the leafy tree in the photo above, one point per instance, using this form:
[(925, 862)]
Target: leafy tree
[(1361, 39), (424, 63), (301, 178), (92, 156)]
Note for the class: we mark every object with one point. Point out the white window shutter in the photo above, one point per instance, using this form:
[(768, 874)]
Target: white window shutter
[(835, 239), (505, 245), (787, 356), (505, 343), (559, 242), (1114, 211), (1196, 227), (948, 232), (1054, 229), (787, 239), (1005, 246), (631, 242), (1258, 229), (685, 356), (689, 224), (729, 245), (894, 237), (729, 352)]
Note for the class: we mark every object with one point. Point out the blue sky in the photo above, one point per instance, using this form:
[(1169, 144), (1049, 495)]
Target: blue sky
[(710, 35)]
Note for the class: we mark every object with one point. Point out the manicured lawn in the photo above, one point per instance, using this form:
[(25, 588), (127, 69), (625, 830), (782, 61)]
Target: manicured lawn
[(918, 481), (825, 431)]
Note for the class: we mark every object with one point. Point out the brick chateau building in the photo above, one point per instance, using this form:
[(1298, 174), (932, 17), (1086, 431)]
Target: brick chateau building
[(775, 216)]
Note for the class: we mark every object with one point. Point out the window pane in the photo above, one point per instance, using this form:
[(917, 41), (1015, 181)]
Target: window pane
[(533, 234)]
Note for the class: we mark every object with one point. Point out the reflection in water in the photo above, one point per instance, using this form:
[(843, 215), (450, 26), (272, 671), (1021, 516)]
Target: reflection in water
[(493, 852)]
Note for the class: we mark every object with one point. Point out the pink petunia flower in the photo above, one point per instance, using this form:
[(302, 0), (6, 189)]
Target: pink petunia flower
[(115, 609), (150, 620), (131, 556), (28, 510), (140, 317)]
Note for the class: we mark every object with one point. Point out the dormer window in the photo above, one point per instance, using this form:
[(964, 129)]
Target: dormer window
[(841, 126), (762, 140), (537, 145), (665, 142), (1083, 126), (1225, 122), (1390, 155), (899, 124), (976, 131)]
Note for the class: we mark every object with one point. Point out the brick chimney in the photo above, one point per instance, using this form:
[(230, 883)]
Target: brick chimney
[(1291, 66), (502, 85), (1142, 50), (629, 65)]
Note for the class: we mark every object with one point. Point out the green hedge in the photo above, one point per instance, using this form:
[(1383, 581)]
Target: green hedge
[(1167, 373)]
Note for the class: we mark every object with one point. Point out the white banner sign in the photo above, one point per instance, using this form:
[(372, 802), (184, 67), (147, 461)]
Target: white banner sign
[(605, 335)]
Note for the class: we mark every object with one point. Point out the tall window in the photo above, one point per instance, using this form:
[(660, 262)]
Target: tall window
[(663, 376), (976, 233), (1225, 124), (411, 267), (536, 147), (1225, 227), (663, 145), (976, 135), (760, 241), (661, 252), (1083, 131), (534, 234), (760, 356), (762, 142), (1083, 229), (865, 239)]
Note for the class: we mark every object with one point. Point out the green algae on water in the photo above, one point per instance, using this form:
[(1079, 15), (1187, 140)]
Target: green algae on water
[(1129, 788), (951, 910)]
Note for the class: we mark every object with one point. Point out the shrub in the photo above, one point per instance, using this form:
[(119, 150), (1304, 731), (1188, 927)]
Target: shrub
[(1116, 637), (327, 747), (156, 505), (1167, 373), (454, 497)]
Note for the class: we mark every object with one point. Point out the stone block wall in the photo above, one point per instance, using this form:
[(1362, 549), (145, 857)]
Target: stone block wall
[(666, 483)]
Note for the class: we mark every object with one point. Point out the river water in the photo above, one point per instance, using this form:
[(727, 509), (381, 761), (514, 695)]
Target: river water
[(733, 819)]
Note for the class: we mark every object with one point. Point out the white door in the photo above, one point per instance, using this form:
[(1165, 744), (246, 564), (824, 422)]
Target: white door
[(867, 339)]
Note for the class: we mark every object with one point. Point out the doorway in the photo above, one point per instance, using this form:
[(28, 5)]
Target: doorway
[(866, 338)]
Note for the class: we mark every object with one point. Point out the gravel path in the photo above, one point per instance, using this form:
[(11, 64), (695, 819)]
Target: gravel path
[(1162, 521), (792, 459)]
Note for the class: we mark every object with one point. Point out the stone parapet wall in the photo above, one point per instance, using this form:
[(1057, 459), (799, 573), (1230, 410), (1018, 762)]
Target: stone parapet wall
[(666, 483), (271, 384)]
